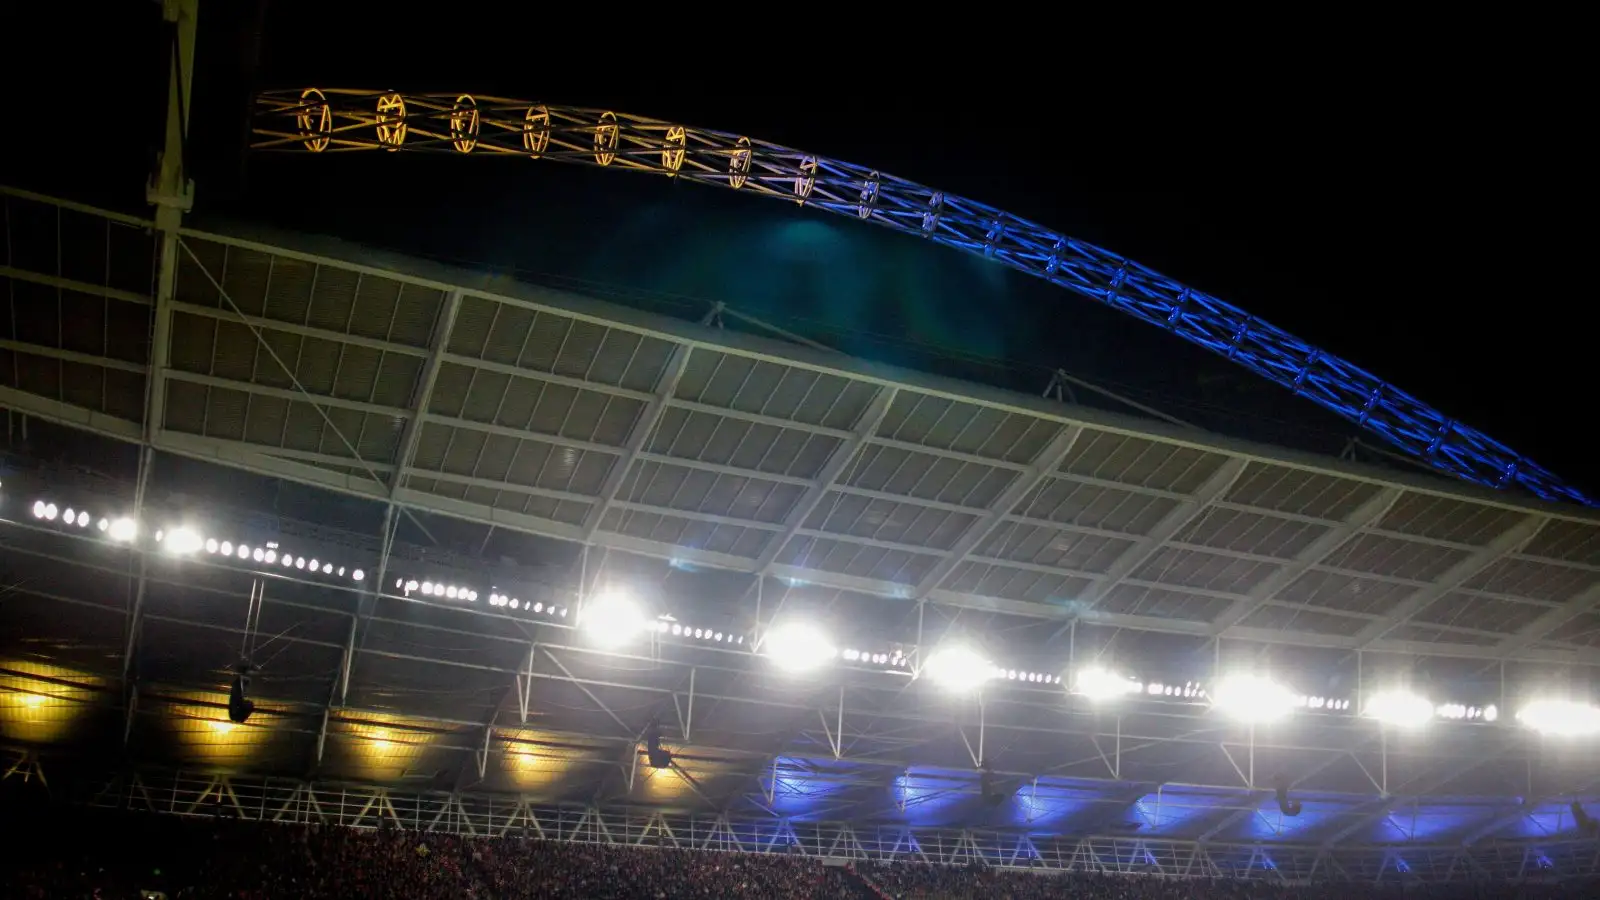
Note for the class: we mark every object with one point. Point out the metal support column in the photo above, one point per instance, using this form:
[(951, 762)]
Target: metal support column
[(171, 192)]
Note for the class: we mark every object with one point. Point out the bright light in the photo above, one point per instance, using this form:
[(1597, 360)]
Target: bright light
[(358, 575), (1099, 684), (38, 509), (798, 647), (612, 619), (49, 512), (1560, 718), (1252, 698), (958, 668), (1402, 709), (183, 541), (123, 529)]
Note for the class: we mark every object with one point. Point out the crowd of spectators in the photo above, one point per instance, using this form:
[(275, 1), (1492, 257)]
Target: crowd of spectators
[(105, 857), (108, 856), (913, 881)]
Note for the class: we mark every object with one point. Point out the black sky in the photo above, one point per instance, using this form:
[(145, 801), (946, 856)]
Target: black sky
[(1411, 203)]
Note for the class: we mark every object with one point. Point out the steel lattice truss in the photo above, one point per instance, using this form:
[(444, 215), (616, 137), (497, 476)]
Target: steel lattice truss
[(338, 120), (484, 815), (731, 478)]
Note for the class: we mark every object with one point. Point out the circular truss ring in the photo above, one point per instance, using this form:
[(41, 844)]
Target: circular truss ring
[(536, 131), (869, 196), (930, 217), (806, 180), (464, 124), (672, 153), (606, 136), (392, 121), (739, 164), (315, 120)]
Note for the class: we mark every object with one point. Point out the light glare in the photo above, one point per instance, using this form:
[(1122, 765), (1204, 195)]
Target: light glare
[(798, 647), (958, 668), (1100, 684), (611, 618), (1560, 718), (1253, 698), (123, 529), (183, 541), (1402, 709)]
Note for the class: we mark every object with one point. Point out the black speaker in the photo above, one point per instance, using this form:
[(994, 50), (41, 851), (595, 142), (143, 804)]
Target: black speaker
[(1286, 804), (1586, 823)]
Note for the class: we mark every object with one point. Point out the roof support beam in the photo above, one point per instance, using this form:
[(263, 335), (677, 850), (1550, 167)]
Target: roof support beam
[(422, 395), (1545, 625), (1171, 524), (1047, 461), (1315, 552), (638, 438), (1508, 542), (847, 451)]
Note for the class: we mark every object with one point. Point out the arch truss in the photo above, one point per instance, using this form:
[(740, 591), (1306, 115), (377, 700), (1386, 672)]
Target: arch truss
[(316, 121)]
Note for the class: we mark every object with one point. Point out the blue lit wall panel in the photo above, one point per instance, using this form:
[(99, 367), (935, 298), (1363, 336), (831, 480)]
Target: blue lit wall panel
[(1550, 820), (1428, 824), (1316, 817), (1181, 813)]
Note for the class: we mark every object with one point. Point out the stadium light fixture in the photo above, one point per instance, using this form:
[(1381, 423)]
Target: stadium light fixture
[(122, 529), (1104, 685), (798, 647), (1561, 718), (1400, 708), (957, 667), (1252, 698), (612, 619)]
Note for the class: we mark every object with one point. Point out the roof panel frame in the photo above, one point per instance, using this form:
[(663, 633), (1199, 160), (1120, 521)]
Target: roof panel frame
[(1046, 461), (1370, 511), (833, 470), (361, 486), (1215, 487), (445, 278), (1507, 542)]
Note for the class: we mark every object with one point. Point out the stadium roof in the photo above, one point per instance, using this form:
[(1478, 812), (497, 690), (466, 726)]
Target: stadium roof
[(522, 440)]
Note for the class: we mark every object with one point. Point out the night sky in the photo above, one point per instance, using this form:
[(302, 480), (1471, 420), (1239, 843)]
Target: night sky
[(1424, 218)]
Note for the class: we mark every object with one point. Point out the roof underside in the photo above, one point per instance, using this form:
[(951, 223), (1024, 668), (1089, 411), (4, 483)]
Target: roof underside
[(546, 441)]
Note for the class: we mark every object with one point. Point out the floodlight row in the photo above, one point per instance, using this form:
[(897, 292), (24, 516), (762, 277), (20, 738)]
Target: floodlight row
[(183, 540), (1252, 698)]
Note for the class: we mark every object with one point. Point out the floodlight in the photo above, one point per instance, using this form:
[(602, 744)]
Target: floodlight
[(1400, 708), (798, 647), (612, 619), (1561, 718), (957, 667), (1252, 698), (1100, 684), (123, 529), (183, 541)]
